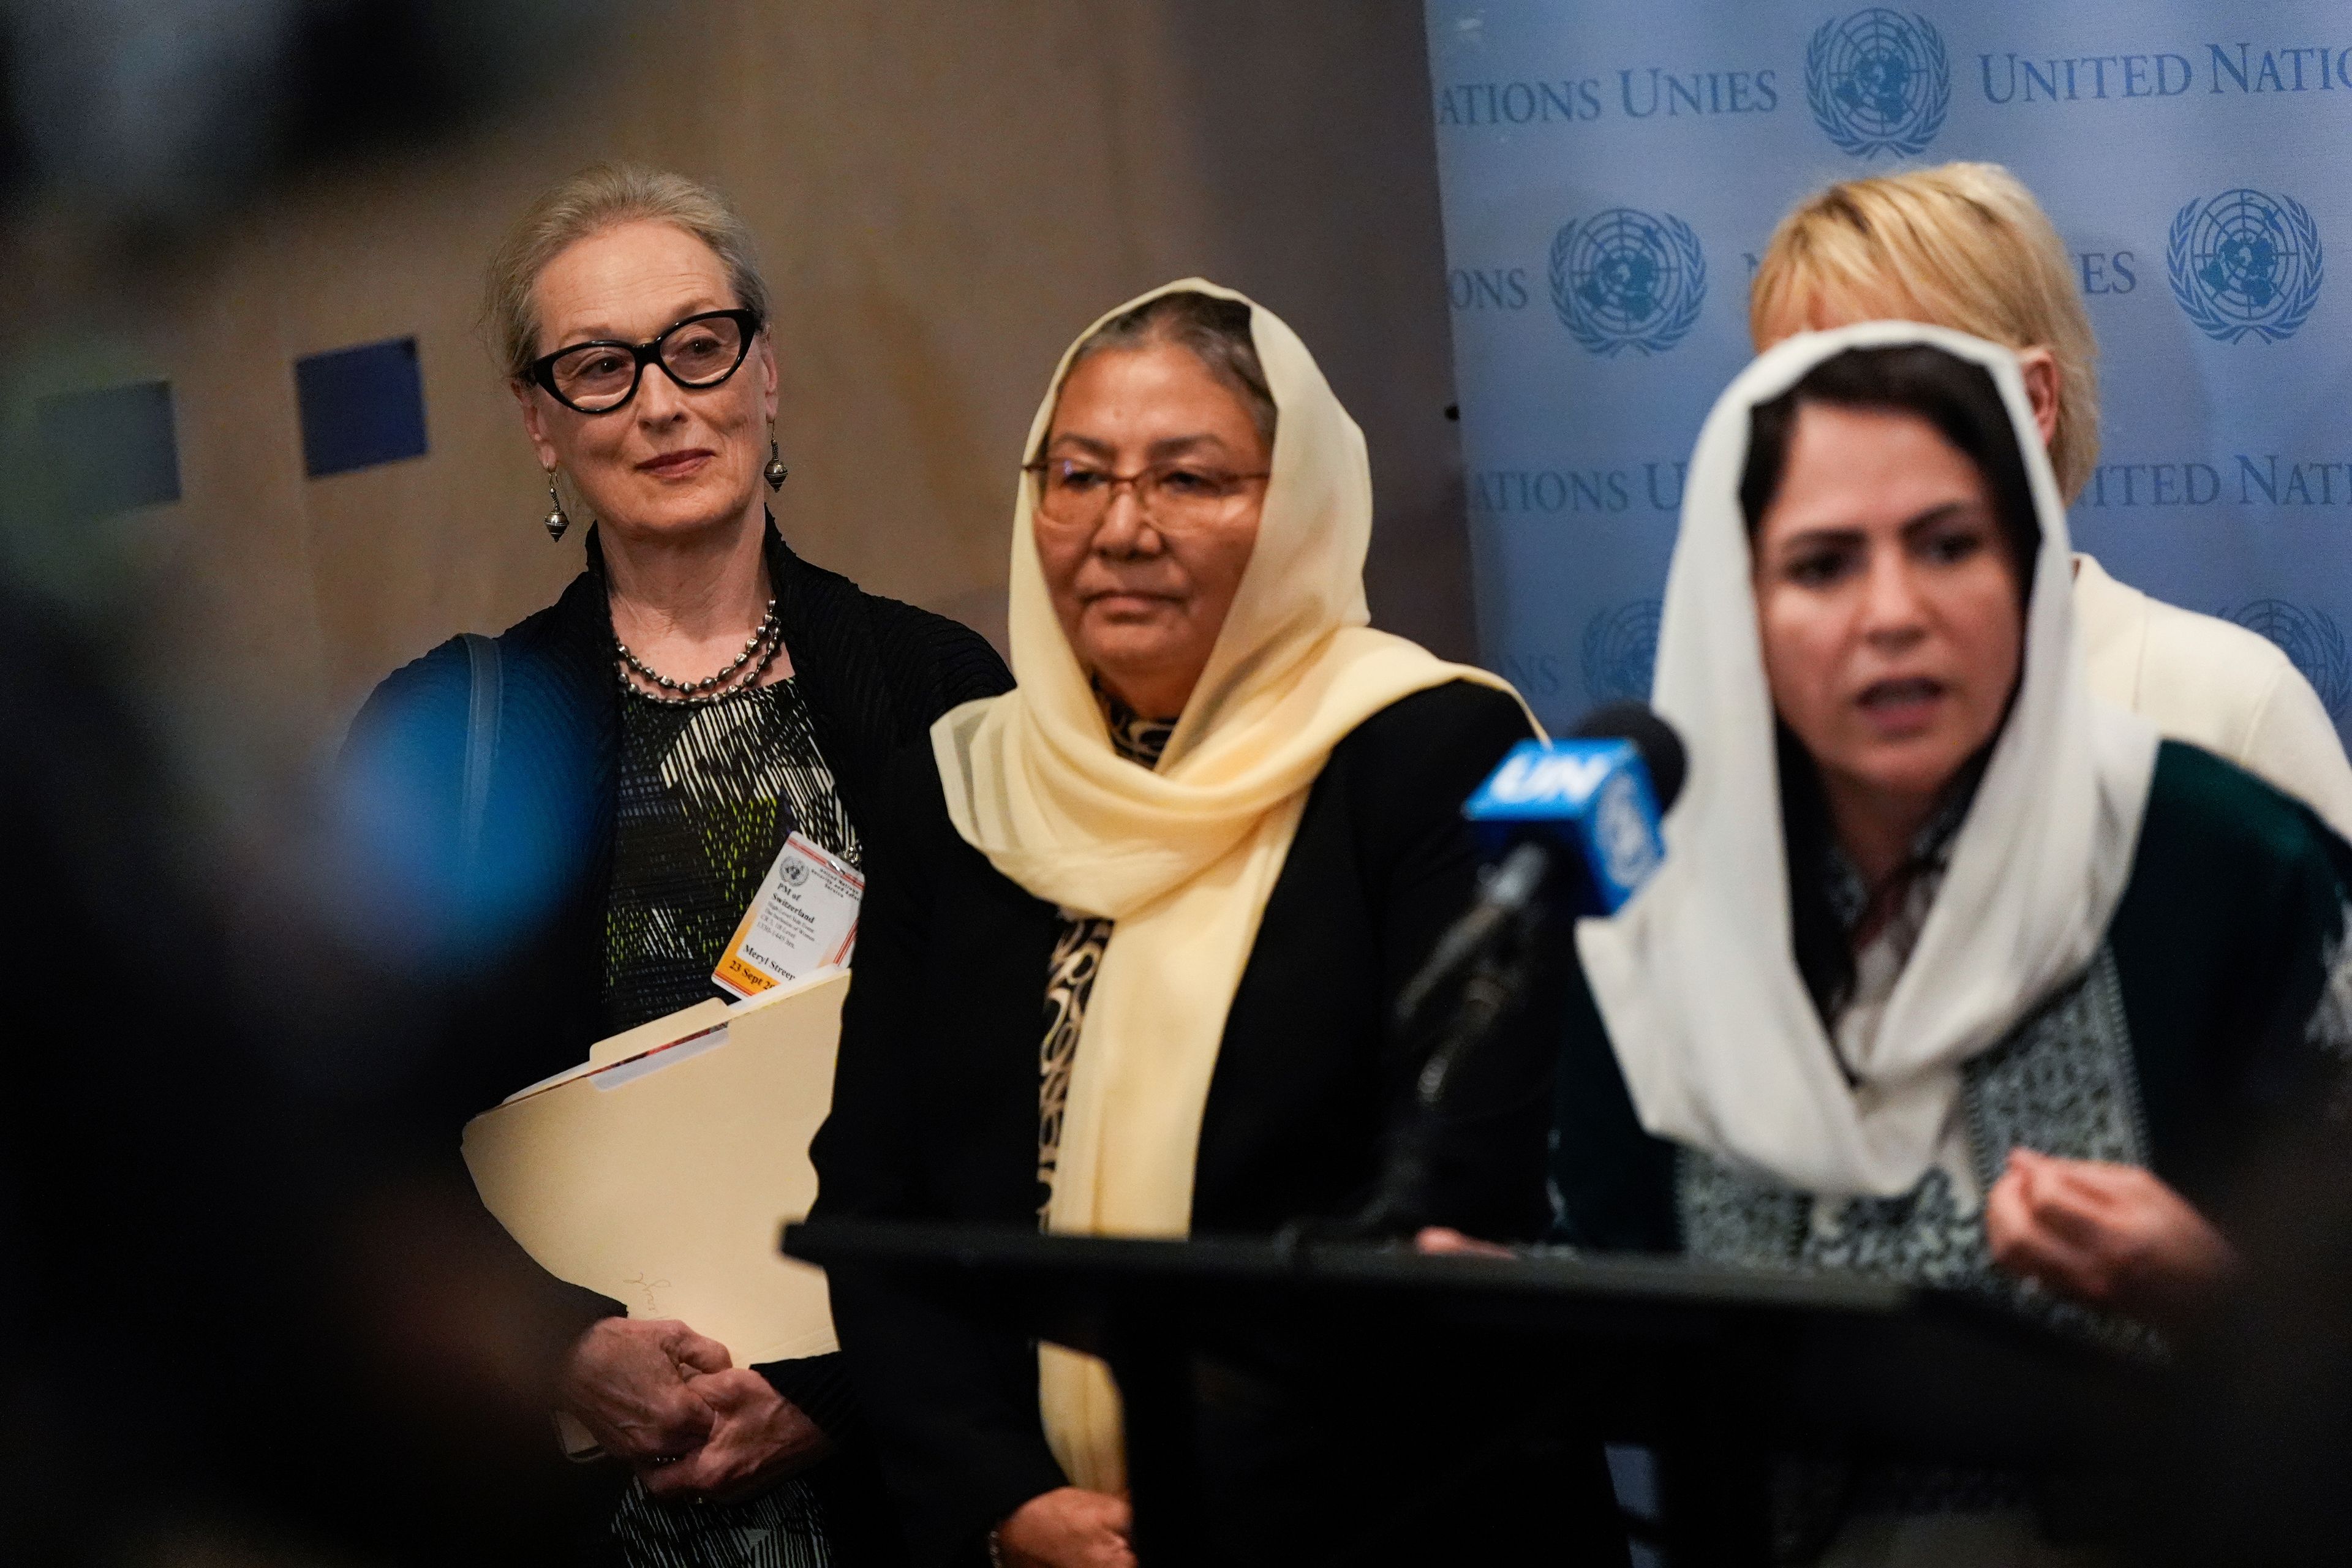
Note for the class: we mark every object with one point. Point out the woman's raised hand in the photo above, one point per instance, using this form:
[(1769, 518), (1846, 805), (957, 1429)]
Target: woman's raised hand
[(1068, 1528), (2106, 1234), (626, 1381)]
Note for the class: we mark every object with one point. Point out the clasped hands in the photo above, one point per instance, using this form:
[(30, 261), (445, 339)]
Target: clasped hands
[(669, 1403), (2109, 1235)]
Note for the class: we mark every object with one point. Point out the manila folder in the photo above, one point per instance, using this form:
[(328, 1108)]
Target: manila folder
[(662, 1176)]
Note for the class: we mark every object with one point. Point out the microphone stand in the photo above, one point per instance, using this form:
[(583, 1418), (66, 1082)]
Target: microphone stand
[(1495, 983)]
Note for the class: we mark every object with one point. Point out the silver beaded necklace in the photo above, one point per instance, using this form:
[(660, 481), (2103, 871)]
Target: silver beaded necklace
[(743, 672)]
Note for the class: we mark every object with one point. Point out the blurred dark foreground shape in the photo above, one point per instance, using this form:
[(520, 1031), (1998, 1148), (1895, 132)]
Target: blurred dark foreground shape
[(233, 1325)]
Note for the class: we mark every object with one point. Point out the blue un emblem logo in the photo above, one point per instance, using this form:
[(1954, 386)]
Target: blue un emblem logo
[(1624, 279), (1878, 81), (2309, 639), (2245, 264), (1621, 651)]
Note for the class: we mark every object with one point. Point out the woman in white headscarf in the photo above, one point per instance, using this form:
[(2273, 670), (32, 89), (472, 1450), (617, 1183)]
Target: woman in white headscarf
[(1953, 973), (1130, 948)]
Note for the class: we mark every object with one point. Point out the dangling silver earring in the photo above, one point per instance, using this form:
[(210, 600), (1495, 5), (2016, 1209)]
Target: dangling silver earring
[(556, 521), (775, 472)]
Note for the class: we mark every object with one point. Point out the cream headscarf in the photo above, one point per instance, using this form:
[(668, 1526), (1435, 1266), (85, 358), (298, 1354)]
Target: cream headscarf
[(1696, 979), (1184, 857)]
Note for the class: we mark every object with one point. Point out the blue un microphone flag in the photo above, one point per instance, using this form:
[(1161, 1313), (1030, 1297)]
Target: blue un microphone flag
[(1592, 796)]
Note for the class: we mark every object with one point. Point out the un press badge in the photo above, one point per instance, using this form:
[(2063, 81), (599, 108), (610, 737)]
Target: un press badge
[(805, 918)]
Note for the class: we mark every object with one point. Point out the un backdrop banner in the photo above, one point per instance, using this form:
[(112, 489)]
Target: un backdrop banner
[(1611, 173)]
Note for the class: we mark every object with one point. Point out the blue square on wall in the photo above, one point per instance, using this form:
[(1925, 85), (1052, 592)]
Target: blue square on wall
[(113, 449), (360, 406)]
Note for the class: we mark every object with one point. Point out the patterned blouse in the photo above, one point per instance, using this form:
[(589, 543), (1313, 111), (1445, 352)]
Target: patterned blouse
[(707, 796), (2064, 1081), (1078, 958)]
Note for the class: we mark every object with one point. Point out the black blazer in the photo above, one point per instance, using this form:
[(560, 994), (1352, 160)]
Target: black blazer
[(515, 953), (935, 1098), (500, 978)]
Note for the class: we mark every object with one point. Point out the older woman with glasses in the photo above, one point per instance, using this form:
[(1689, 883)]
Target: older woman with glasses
[(1134, 939), (579, 811)]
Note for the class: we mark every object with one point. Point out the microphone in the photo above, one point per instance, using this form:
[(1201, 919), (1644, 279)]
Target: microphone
[(1572, 822)]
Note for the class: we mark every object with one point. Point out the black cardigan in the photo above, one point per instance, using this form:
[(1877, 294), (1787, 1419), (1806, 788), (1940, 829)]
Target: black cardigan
[(527, 951), (935, 1099), (507, 978)]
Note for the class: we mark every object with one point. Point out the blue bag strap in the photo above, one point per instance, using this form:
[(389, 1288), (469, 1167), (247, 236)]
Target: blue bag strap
[(481, 741)]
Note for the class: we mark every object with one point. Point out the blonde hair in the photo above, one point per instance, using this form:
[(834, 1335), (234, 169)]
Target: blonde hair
[(597, 198), (1962, 246)]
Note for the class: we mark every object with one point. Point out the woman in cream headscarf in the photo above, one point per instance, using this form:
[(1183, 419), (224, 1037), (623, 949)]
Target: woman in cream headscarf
[(1953, 973), (1129, 955)]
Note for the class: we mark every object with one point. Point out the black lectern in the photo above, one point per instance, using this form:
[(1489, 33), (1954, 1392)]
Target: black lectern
[(1713, 1368)]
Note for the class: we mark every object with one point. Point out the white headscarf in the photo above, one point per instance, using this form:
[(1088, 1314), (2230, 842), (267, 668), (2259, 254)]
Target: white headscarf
[(1182, 858), (1696, 978)]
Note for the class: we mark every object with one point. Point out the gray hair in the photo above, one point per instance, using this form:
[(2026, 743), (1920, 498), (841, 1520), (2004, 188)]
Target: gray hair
[(1217, 332), (591, 201)]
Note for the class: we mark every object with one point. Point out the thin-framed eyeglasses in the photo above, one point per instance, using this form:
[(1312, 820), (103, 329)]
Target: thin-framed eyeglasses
[(602, 375), (1072, 493)]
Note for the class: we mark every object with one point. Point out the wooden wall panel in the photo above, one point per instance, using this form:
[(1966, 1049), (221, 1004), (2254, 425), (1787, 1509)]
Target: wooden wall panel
[(944, 195)]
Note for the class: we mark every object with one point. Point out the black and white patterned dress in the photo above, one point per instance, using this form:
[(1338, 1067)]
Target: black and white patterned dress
[(707, 798)]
